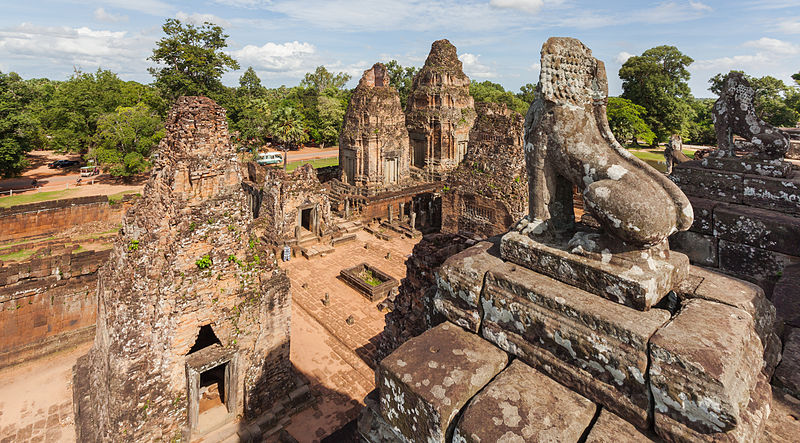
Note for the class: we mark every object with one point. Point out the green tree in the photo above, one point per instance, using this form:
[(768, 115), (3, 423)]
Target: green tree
[(658, 81), (192, 60), (330, 112), (321, 79), (626, 121), (489, 92), (774, 101), (125, 139), (19, 127), (527, 93), (250, 85), (796, 78), (701, 127), (401, 78), (288, 127)]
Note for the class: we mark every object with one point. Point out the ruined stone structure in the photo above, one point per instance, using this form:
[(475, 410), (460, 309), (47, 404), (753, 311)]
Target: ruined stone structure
[(488, 191), (747, 206), (291, 209), (673, 152), (193, 317), (440, 111), (373, 142), (611, 336)]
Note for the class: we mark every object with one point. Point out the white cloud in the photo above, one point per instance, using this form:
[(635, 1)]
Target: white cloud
[(529, 6), (622, 57), (774, 46), (103, 16), (699, 6), (151, 7), (474, 68), (291, 57), (789, 25), (81, 47), (198, 19), (535, 67)]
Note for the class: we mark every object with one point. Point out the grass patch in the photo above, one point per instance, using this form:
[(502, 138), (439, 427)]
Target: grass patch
[(116, 198), (18, 256), (35, 197), (27, 240), (369, 278), (315, 163)]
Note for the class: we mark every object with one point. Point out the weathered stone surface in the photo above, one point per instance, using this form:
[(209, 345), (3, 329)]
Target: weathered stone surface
[(716, 287), (786, 296), (638, 279), (371, 426), (734, 113), (610, 428), (700, 248), (373, 142), (522, 404), (460, 280), (758, 265), (761, 228), (569, 143), (769, 168), (703, 214), (703, 367), (170, 277), (589, 344), (780, 194), (427, 380), (787, 374), (488, 191), (752, 421), (695, 180), (673, 152), (440, 111), (783, 424)]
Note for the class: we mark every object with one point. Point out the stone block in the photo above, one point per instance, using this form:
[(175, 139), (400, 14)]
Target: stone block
[(751, 426), (769, 168), (754, 264), (459, 282), (787, 374), (786, 296), (371, 426), (522, 404), (700, 248), (428, 379), (592, 345), (761, 228), (703, 367), (720, 288), (703, 215), (695, 180), (610, 428), (624, 278), (780, 194)]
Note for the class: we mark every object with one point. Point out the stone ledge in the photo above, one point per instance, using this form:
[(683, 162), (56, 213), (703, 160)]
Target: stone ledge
[(522, 404), (757, 227), (610, 428), (704, 365), (428, 379), (787, 374), (592, 345), (743, 165)]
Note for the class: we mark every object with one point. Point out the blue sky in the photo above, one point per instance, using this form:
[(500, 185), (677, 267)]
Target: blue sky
[(497, 40)]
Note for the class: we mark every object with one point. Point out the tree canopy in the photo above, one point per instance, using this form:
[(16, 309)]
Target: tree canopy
[(401, 79), (125, 139), (192, 60), (626, 121), (487, 91), (658, 81)]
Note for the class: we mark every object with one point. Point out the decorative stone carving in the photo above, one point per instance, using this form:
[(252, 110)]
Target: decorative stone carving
[(373, 142), (440, 111), (734, 114), (569, 143), (673, 153)]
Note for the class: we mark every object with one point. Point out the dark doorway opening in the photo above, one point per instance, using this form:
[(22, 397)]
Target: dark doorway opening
[(212, 388), (305, 218), (205, 338), (419, 153)]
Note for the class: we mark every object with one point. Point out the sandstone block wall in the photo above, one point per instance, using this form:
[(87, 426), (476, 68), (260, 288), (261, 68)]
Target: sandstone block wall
[(47, 304), (45, 218)]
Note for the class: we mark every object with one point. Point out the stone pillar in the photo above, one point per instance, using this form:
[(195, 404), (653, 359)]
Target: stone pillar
[(402, 211), (347, 207), (413, 220), (391, 219)]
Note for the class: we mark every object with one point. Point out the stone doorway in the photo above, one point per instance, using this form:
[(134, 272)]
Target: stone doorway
[(305, 218), (211, 378)]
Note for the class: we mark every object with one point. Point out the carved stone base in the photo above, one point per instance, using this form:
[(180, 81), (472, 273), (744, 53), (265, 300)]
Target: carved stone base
[(638, 279), (745, 165)]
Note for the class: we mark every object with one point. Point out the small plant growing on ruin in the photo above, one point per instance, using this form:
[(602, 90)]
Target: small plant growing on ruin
[(210, 221), (445, 188), (192, 226), (232, 228), (204, 262), (133, 246)]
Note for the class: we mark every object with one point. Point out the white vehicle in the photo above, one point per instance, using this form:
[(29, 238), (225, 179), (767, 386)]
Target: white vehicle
[(269, 158)]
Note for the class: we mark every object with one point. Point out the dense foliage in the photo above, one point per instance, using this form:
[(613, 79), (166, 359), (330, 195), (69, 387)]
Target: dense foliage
[(487, 91), (626, 121)]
